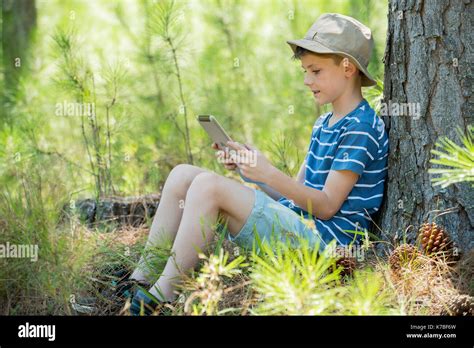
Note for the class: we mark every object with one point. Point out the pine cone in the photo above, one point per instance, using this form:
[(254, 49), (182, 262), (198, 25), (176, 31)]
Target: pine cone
[(460, 305), (402, 256), (347, 262), (435, 240)]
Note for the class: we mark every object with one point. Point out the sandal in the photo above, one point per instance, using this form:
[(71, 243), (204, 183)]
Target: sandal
[(144, 304), (124, 288), (149, 303)]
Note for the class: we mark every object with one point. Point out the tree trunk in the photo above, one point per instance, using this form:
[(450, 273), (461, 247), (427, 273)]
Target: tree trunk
[(18, 23), (428, 61)]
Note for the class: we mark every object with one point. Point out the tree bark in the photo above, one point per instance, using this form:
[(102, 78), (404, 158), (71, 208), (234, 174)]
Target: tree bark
[(428, 60), (18, 23)]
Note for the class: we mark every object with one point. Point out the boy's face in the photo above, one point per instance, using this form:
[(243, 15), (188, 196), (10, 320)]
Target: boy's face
[(324, 77)]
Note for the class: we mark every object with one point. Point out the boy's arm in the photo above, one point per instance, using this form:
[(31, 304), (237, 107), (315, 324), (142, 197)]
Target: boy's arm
[(277, 195), (321, 204), (271, 192), (344, 173), (300, 175)]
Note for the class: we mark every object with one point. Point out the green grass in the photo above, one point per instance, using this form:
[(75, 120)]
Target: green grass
[(280, 279), (47, 285)]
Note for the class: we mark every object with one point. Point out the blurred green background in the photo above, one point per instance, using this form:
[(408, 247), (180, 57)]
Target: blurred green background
[(148, 68), (100, 98)]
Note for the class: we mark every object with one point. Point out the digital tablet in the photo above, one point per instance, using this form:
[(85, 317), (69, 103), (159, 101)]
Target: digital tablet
[(220, 137), (215, 130)]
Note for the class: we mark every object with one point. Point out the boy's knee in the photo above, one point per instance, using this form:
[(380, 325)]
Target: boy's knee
[(207, 183), (181, 170), (182, 175)]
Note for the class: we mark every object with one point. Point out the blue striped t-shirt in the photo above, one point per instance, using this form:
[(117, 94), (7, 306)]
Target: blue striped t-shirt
[(357, 142)]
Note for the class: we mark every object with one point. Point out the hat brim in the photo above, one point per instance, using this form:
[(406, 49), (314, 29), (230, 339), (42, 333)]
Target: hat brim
[(316, 47)]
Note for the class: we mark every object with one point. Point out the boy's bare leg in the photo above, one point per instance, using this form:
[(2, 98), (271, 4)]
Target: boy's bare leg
[(168, 215), (208, 195)]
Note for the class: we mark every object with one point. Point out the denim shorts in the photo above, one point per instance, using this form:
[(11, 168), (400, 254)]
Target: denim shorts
[(273, 222)]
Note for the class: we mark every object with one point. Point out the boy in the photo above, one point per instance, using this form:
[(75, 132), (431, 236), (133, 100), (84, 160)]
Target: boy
[(340, 182)]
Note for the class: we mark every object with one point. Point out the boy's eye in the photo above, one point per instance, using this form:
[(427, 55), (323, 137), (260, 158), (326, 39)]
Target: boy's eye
[(316, 71)]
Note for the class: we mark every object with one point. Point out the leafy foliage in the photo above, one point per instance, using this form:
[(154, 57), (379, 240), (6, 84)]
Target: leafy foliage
[(208, 287), (458, 161), (294, 281)]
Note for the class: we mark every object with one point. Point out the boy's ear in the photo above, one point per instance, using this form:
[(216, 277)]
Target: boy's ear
[(349, 67)]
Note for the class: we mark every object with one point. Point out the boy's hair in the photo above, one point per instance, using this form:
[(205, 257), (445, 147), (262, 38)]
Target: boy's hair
[(337, 59), (300, 52)]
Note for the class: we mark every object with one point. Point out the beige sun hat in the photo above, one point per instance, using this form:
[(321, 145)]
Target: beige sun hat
[(342, 35)]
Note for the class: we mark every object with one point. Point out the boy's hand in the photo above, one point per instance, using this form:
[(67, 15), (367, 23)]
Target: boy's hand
[(252, 163), (224, 157)]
